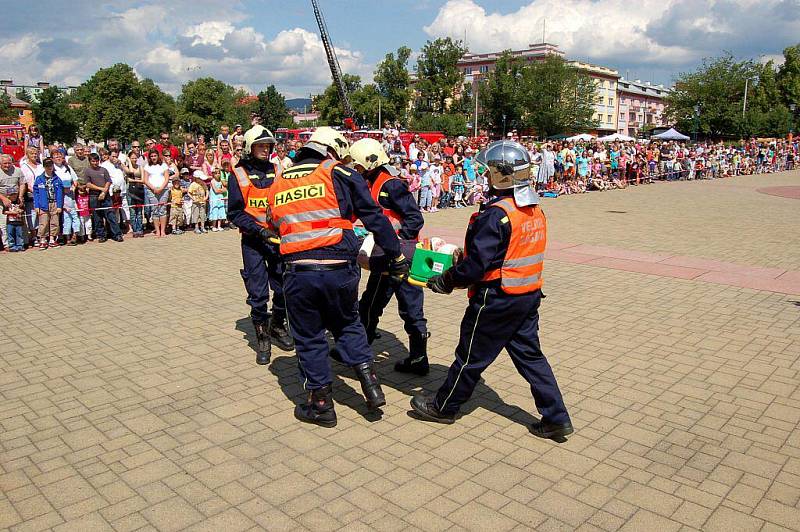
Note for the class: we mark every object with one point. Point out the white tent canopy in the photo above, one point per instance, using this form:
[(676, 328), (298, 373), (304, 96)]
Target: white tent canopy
[(583, 136), (616, 136), (671, 134)]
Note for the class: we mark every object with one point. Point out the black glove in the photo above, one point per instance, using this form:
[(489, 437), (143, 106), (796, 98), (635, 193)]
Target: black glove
[(268, 235), (441, 284), (398, 268)]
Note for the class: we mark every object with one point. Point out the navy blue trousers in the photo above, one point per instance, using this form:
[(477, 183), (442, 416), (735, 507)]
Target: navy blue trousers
[(379, 291), (262, 270), (320, 301), (495, 320)]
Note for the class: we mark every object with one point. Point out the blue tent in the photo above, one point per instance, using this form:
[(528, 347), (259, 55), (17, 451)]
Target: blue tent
[(671, 134)]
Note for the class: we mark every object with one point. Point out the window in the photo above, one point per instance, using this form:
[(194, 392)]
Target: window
[(611, 101), (484, 69)]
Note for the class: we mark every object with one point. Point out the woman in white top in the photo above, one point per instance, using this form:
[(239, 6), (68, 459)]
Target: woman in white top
[(156, 192)]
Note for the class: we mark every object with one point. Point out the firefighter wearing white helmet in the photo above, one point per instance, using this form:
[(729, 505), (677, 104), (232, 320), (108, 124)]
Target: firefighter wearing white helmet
[(392, 195), (502, 267), (325, 140), (313, 205), (262, 268)]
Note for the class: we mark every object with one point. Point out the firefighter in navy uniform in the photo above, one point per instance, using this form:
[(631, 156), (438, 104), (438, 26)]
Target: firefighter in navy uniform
[(247, 209), (504, 254), (313, 205), (392, 195)]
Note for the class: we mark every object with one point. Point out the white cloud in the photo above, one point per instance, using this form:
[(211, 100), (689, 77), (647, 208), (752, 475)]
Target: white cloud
[(172, 43), (650, 34)]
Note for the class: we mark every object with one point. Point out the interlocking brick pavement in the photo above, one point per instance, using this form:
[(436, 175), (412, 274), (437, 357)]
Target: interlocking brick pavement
[(130, 399)]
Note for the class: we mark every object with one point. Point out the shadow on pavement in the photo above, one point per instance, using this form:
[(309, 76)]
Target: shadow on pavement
[(388, 349)]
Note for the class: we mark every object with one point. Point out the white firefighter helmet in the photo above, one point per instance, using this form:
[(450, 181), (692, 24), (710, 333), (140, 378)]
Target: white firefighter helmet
[(326, 137), (257, 134), (368, 153)]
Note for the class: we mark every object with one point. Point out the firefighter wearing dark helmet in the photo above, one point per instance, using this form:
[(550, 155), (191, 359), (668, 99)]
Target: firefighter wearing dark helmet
[(502, 266), (399, 206), (247, 209), (313, 204)]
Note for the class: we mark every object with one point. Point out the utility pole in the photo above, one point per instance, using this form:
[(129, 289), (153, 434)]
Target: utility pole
[(475, 123), (744, 104), (380, 124)]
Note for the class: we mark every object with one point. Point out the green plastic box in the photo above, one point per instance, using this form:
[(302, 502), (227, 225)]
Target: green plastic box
[(427, 263)]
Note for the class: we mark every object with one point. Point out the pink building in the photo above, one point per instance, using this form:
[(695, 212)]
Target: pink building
[(640, 105)]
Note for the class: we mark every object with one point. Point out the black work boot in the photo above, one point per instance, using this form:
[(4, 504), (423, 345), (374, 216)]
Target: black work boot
[(370, 385), (417, 361), (318, 408), (549, 431), (425, 408), (279, 332), (264, 346)]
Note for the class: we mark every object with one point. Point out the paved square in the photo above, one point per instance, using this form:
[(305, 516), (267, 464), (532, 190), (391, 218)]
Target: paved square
[(129, 398)]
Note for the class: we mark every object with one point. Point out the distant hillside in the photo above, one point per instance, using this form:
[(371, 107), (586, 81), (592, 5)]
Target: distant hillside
[(299, 104)]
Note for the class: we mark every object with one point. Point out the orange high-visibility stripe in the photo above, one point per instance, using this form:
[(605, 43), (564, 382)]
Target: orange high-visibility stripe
[(521, 271), (394, 218), (306, 211)]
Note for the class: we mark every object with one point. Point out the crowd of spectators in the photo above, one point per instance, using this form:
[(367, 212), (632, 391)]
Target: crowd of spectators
[(58, 195)]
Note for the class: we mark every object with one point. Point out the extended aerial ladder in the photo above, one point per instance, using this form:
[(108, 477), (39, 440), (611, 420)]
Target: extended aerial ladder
[(333, 63)]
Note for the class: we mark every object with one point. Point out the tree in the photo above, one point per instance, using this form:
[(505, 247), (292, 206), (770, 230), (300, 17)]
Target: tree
[(365, 105), (55, 119), (114, 103), (328, 104), (393, 82), (7, 113), (205, 104), (271, 108), (438, 74), (717, 87), (24, 95), (160, 114), (500, 94), (450, 124), (789, 75), (556, 97)]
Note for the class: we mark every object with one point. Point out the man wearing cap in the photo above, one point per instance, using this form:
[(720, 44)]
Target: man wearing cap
[(262, 267)]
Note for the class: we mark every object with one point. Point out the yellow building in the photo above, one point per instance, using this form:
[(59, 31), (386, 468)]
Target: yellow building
[(606, 106)]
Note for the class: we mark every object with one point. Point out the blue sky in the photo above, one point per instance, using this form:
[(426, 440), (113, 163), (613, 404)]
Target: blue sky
[(252, 43)]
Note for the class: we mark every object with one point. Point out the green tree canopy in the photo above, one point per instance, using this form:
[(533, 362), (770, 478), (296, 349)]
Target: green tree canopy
[(438, 75), (550, 96), (205, 104), (328, 104), (116, 104), (55, 119), (7, 113), (789, 75), (271, 108), (24, 95), (394, 81)]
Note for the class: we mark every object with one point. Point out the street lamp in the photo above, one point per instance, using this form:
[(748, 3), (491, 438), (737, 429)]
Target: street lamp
[(696, 120), (792, 107), (504, 125)]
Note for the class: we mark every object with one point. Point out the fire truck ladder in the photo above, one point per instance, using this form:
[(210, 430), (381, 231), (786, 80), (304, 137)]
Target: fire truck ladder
[(333, 62)]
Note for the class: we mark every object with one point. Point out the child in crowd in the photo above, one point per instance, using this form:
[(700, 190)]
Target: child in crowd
[(48, 200), (199, 194), (176, 215), (216, 200), (85, 215), (14, 226), (457, 186)]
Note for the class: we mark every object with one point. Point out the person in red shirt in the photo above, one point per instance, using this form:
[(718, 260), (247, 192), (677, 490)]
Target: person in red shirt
[(167, 144)]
